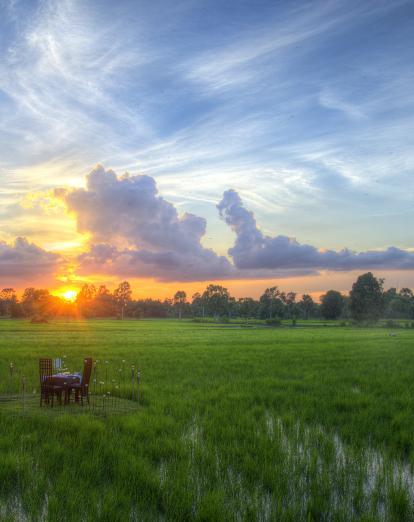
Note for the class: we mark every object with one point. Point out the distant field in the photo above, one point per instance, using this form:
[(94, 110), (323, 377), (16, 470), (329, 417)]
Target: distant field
[(236, 423)]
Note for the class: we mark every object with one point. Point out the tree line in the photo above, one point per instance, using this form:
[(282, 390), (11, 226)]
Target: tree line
[(366, 302)]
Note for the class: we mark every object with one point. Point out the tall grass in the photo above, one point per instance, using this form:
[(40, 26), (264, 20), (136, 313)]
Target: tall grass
[(235, 424)]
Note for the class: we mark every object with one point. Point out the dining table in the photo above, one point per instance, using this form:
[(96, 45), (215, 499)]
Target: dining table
[(65, 380)]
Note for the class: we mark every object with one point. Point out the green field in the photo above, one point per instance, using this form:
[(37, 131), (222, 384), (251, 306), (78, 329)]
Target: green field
[(234, 424)]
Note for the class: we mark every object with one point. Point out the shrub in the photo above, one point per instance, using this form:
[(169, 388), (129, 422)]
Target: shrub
[(391, 324), (39, 319), (273, 322)]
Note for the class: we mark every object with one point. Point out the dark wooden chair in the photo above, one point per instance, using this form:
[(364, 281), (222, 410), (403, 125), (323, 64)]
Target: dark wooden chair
[(82, 388), (48, 389)]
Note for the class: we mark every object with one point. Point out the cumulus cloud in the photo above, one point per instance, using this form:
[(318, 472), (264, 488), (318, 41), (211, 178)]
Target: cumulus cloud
[(24, 260), (136, 232), (254, 250)]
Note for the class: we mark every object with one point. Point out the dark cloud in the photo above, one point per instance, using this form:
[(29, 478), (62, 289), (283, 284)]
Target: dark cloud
[(253, 250), (136, 232), (24, 260)]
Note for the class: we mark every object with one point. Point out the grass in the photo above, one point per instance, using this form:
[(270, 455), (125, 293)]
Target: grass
[(234, 424)]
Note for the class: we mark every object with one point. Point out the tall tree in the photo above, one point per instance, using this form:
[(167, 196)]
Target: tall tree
[(180, 298), (271, 303), (7, 299), (104, 304), (247, 307), (307, 306), (36, 302), (122, 296), (85, 300), (332, 304), (291, 305), (366, 298), (216, 299), (197, 305)]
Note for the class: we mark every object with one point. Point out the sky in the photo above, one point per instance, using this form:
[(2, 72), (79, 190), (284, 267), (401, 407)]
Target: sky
[(250, 143)]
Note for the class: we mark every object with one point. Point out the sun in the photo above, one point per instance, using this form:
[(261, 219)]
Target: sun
[(70, 295)]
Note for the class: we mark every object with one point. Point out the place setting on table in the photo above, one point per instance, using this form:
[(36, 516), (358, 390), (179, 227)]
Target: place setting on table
[(57, 380)]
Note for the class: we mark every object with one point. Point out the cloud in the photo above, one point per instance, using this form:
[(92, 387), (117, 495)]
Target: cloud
[(254, 250), (24, 260), (135, 232)]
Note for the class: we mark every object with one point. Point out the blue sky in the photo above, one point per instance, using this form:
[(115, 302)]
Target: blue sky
[(304, 108)]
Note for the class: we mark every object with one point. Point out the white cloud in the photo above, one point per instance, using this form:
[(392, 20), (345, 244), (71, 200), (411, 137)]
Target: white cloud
[(254, 250)]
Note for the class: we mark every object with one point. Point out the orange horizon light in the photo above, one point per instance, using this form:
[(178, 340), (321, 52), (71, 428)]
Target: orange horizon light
[(69, 295)]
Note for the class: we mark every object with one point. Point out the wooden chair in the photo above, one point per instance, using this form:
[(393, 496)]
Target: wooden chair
[(82, 388), (47, 388)]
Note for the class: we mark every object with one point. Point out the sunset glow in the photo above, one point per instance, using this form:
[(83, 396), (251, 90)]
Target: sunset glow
[(245, 152), (69, 295)]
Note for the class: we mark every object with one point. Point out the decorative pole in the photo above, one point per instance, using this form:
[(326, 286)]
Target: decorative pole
[(10, 378), (24, 392), (138, 384), (133, 383)]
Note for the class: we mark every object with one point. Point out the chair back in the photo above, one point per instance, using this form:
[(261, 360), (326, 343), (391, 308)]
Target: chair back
[(45, 370), (87, 370)]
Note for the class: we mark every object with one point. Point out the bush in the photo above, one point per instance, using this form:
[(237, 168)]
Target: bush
[(39, 319), (391, 324), (273, 322)]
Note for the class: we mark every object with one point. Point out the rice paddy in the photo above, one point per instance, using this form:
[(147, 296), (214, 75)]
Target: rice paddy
[(233, 423)]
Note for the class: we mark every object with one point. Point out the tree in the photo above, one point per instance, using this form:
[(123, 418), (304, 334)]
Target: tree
[(271, 303), (291, 305), (123, 295), (85, 300), (399, 305), (366, 298), (216, 299), (104, 304), (307, 306), (332, 304), (7, 299), (407, 297), (197, 305), (180, 298), (37, 302), (247, 307)]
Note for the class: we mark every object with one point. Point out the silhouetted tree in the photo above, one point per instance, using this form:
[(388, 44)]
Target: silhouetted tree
[(85, 300), (332, 304), (122, 296), (247, 307), (7, 299), (180, 298), (271, 303), (216, 300), (36, 302), (104, 304), (366, 298), (307, 306)]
